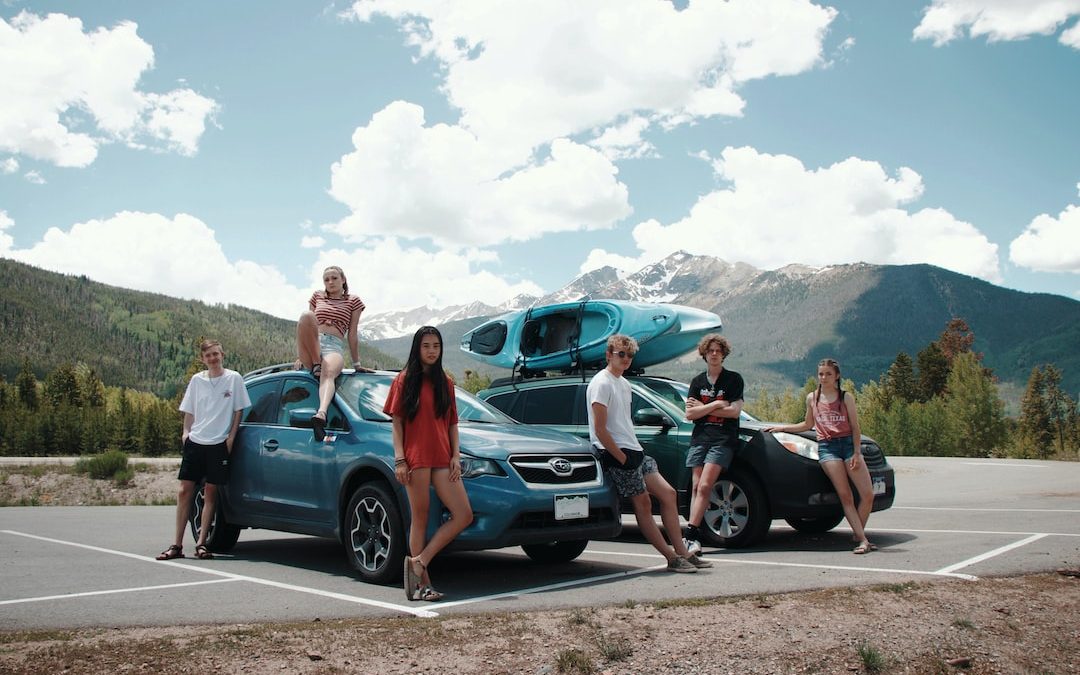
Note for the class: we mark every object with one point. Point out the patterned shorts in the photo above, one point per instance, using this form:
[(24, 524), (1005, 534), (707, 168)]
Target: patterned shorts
[(631, 482)]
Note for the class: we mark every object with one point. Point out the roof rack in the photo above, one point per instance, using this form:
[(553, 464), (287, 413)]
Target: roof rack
[(276, 368), (522, 374)]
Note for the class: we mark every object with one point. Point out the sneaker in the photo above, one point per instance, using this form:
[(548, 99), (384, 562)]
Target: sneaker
[(680, 565), (699, 562), (693, 546)]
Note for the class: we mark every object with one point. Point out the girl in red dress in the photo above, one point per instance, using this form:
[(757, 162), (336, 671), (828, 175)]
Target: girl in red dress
[(426, 455)]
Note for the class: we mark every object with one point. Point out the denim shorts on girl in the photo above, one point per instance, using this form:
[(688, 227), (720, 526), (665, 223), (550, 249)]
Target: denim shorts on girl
[(331, 343), (835, 449)]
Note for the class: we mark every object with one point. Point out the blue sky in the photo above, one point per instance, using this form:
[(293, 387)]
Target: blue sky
[(448, 152)]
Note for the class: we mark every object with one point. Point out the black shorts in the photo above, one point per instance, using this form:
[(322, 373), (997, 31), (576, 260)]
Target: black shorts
[(205, 461)]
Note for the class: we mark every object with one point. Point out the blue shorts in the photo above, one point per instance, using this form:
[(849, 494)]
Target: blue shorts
[(720, 454), (331, 343), (835, 450)]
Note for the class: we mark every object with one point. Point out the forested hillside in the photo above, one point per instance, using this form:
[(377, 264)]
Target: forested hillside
[(133, 339)]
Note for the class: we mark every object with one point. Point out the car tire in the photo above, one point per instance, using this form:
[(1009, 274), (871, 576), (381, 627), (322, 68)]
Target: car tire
[(738, 511), (374, 535), (222, 535), (556, 551), (815, 525)]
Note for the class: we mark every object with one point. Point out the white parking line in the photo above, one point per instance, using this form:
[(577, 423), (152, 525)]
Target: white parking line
[(991, 554), (237, 577), (1008, 466), (957, 508), (113, 591), (729, 558)]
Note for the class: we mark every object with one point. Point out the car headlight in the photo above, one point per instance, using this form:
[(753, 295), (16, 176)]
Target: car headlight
[(797, 444), (472, 467)]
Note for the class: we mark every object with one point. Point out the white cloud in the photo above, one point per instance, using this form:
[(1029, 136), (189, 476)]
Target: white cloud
[(35, 177), (775, 212), (598, 258), (998, 20), (624, 140), (1050, 244), (177, 256), (67, 91), (409, 180), (388, 276), (555, 68), (312, 242), (9, 165), (6, 240)]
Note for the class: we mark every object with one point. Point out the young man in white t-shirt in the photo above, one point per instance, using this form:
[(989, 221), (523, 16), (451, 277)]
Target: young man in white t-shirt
[(212, 405), (635, 475)]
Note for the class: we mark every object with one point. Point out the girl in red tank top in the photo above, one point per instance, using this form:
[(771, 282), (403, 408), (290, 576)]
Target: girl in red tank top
[(831, 411)]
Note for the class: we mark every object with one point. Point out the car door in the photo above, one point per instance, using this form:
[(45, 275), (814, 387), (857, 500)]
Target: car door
[(663, 441), (560, 406), (245, 488), (298, 475)]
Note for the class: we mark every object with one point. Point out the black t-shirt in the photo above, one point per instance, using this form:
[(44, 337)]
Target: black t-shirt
[(711, 428)]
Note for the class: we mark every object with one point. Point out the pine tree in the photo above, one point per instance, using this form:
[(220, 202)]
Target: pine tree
[(900, 379), (933, 369), (976, 414), (957, 339), (1059, 406), (1033, 433), (26, 384)]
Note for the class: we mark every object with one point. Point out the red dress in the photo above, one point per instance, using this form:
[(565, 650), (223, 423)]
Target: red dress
[(427, 437)]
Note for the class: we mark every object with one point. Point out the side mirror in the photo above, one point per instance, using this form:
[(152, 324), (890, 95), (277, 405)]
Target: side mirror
[(301, 417), (652, 417)]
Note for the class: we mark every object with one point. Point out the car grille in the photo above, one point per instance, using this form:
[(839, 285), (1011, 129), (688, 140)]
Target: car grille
[(872, 455), (547, 470)]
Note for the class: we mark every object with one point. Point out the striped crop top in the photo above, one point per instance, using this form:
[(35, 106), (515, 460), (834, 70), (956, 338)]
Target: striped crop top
[(335, 312)]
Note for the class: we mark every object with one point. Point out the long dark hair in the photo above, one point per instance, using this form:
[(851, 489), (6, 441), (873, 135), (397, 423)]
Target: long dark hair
[(414, 377)]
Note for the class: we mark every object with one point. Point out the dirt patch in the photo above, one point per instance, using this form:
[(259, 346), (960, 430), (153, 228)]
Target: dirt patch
[(1012, 625), (1027, 624), (61, 486)]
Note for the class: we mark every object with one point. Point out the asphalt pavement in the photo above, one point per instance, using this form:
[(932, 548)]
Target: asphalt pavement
[(65, 567)]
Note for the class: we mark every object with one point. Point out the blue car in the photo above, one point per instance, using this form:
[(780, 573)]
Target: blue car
[(539, 489)]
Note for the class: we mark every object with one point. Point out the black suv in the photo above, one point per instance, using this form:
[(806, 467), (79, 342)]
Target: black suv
[(774, 475)]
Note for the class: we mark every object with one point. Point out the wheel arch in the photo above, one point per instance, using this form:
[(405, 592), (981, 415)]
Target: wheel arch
[(362, 475)]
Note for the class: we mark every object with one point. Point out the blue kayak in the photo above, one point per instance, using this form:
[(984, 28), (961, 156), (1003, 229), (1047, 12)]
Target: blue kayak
[(574, 334)]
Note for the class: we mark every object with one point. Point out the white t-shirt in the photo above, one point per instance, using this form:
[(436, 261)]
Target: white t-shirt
[(212, 402), (615, 394)]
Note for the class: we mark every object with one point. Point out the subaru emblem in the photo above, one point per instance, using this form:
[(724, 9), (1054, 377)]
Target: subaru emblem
[(561, 466)]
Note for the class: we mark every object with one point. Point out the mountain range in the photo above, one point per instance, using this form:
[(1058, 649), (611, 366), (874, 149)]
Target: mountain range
[(781, 322)]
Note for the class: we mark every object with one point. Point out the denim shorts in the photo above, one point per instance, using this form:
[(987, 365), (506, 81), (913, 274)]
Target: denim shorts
[(331, 343), (631, 482), (716, 453), (835, 449)]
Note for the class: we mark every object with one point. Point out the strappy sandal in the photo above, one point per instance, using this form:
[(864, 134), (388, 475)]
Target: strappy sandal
[(316, 370), (412, 579), (429, 594), (318, 427), (203, 553), (171, 553), (863, 548)]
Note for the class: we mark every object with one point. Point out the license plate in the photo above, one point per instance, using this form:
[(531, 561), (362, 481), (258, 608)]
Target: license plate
[(569, 507), (879, 486)]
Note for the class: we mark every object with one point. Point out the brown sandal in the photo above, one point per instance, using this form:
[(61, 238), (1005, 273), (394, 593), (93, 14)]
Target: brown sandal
[(172, 552), (203, 553)]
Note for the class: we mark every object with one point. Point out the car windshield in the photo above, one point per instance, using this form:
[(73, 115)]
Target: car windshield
[(676, 393), (366, 394)]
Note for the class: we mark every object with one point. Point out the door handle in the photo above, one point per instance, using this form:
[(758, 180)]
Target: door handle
[(271, 445)]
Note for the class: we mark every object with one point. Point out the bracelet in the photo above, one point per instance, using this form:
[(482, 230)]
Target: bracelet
[(402, 460)]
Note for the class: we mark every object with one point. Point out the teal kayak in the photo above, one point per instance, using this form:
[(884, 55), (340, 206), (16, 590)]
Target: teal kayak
[(574, 334)]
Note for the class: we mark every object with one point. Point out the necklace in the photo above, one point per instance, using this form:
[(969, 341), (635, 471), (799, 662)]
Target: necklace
[(214, 384)]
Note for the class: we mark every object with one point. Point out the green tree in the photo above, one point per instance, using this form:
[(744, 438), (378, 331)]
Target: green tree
[(1060, 407), (474, 382), (26, 384), (900, 379), (1033, 433), (62, 386), (91, 386), (933, 369), (975, 412)]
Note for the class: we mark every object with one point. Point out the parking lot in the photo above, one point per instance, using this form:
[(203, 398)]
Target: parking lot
[(94, 566)]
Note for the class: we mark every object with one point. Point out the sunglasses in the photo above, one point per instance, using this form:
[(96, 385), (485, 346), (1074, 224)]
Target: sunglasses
[(623, 355)]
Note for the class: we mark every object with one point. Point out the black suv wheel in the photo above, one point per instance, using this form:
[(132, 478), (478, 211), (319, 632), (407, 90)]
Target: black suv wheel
[(738, 511), (375, 534), (222, 535), (815, 525)]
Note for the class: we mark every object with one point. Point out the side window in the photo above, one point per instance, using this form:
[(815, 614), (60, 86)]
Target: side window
[(549, 405), (506, 403), (296, 394), (637, 403), (262, 410)]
